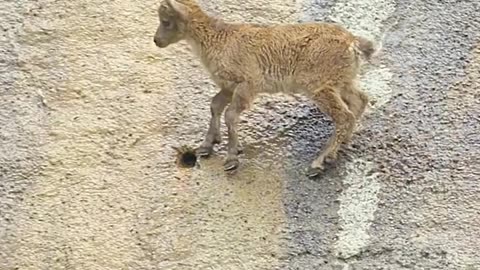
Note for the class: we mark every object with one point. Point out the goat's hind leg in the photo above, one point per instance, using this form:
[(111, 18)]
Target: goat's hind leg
[(356, 101), (330, 102), (217, 106)]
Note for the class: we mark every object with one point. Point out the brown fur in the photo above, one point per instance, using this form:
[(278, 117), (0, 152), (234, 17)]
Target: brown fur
[(320, 60)]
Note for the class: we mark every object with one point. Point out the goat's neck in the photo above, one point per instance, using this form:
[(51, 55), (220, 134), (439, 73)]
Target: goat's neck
[(205, 35)]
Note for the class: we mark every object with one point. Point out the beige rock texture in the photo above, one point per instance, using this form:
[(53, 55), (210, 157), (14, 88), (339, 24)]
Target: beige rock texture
[(90, 110)]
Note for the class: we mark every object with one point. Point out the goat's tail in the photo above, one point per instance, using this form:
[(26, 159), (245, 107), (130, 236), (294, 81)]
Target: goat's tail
[(368, 47)]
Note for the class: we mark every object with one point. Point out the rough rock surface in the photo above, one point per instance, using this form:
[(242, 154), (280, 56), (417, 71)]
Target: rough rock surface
[(89, 110)]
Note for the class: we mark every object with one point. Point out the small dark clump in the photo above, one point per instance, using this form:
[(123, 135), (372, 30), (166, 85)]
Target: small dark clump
[(186, 156)]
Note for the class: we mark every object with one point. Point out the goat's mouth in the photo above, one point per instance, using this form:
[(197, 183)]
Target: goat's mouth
[(160, 44)]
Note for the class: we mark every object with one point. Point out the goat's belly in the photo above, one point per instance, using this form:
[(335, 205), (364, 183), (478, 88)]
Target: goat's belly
[(287, 86)]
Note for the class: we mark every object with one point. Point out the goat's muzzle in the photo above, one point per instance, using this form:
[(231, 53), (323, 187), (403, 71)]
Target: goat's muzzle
[(158, 43)]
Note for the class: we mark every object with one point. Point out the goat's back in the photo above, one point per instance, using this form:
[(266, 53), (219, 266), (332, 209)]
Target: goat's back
[(298, 51)]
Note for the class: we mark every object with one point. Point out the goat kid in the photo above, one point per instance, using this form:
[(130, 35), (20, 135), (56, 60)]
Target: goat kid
[(319, 60)]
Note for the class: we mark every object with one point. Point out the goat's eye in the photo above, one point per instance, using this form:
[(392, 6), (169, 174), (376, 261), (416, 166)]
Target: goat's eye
[(166, 23)]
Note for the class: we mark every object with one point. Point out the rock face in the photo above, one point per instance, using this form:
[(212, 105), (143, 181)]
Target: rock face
[(90, 110)]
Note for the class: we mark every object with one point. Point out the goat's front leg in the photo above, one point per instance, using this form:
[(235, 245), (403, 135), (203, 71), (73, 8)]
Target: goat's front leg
[(241, 100), (217, 106)]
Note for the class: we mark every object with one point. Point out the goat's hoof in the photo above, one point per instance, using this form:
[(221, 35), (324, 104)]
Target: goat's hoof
[(330, 160), (231, 164), (217, 140), (314, 172), (204, 151)]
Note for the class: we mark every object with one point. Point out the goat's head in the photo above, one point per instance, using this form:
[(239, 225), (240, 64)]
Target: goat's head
[(173, 16)]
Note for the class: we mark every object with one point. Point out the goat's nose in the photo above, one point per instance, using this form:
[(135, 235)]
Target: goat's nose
[(157, 42)]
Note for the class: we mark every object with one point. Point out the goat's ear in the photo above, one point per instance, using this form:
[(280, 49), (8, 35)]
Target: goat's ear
[(179, 8)]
